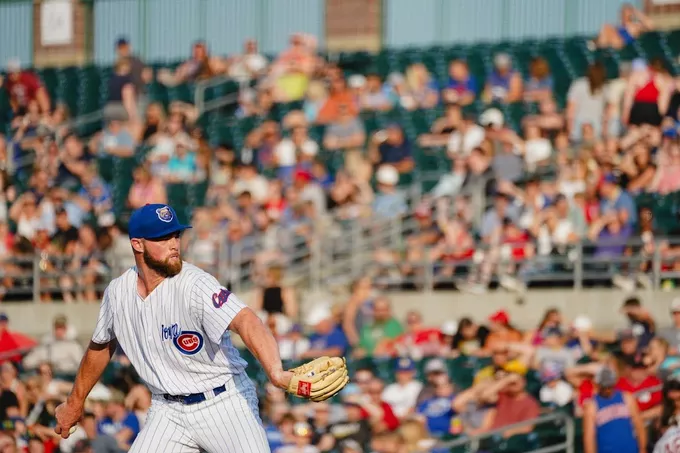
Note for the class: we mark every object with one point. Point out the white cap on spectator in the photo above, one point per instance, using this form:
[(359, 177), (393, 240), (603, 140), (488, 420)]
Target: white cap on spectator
[(675, 305), (435, 365), (582, 323), (449, 328), (317, 314), (492, 117), (356, 81), (106, 219), (165, 146), (502, 60), (387, 175), (100, 393), (13, 65)]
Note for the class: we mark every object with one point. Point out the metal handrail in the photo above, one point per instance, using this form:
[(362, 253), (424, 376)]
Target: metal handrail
[(474, 441), (199, 93)]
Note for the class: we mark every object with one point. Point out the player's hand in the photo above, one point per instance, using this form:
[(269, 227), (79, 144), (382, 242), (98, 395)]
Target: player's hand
[(281, 378), (67, 414)]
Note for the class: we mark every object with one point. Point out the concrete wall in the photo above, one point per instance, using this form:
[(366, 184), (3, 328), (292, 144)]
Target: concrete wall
[(600, 305)]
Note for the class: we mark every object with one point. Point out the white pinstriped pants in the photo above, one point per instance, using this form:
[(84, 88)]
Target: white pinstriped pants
[(228, 423)]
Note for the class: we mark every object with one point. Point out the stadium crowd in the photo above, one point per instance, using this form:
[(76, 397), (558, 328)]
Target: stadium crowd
[(413, 385), (568, 173)]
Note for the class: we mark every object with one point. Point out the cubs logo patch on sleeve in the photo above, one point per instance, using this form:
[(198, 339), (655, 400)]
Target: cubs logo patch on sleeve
[(221, 298), (188, 342)]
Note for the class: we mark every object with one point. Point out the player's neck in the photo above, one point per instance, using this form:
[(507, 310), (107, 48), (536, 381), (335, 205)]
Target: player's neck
[(147, 280)]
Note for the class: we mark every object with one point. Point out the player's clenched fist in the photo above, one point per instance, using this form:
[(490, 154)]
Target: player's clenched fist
[(67, 415), (319, 379)]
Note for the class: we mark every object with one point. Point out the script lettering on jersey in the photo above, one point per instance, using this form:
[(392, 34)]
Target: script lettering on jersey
[(610, 413), (221, 298), (170, 332)]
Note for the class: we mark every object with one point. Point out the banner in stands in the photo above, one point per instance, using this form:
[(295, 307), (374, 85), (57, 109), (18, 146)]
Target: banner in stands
[(56, 22)]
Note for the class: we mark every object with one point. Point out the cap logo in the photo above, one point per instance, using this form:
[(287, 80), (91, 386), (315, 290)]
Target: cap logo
[(164, 214)]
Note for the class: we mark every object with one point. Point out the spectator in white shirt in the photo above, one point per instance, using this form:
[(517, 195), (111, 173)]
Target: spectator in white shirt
[(403, 394), (466, 138), (293, 345)]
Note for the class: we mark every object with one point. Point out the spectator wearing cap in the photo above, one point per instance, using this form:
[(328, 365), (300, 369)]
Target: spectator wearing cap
[(553, 353), (377, 337), (402, 395), (462, 87), (580, 339), (389, 202), (23, 87), (672, 333), (504, 361), (616, 201), (438, 410), (503, 84), (139, 73), (119, 423), (555, 392), (643, 386), (328, 338), (611, 419), (302, 438), (502, 332), (512, 405), (435, 371), (391, 147), (59, 349)]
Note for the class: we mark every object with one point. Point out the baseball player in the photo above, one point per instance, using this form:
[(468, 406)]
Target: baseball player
[(174, 321)]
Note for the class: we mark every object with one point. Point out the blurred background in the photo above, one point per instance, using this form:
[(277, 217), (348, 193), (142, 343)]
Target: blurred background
[(476, 202)]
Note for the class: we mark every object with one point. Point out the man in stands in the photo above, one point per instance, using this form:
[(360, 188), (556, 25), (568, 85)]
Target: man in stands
[(24, 87)]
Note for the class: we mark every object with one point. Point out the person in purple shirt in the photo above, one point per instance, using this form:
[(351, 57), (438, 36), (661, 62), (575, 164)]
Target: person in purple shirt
[(610, 235), (462, 87)]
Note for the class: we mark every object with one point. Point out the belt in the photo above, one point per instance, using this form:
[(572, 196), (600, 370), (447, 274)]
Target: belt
[(194, 398)]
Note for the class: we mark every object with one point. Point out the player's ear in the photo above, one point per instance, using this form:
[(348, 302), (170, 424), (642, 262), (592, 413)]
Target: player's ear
[(137, 245)]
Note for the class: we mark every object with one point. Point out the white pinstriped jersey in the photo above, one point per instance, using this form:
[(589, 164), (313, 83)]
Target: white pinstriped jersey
[(176, 338)]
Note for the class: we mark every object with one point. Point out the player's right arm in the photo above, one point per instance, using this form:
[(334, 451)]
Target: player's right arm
[(96, 358)]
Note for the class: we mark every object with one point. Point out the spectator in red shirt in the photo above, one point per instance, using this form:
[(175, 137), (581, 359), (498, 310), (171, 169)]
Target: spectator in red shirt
[(645, 387), (419, 340), (24, 87), (513, 405), (378, 412)]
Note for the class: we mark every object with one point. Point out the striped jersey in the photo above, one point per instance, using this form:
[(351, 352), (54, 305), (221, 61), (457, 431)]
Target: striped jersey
[(176, 338)]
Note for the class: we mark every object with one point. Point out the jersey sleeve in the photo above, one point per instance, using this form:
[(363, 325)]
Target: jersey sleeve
[(103, 332), (217, 306)]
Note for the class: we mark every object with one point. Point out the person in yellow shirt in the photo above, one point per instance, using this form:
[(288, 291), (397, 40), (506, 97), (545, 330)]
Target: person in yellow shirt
[(502, 364)]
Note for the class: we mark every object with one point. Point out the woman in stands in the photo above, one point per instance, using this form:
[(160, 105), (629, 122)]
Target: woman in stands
[(667, 425), (647, 94), (633, 24), (611, 420), (145, 189), (586, 102), (539, 85)]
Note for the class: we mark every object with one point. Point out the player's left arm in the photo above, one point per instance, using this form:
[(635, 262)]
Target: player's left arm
[(220, 310)]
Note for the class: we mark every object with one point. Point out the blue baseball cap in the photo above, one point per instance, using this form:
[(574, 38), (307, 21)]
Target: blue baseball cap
[(154, 221), (405, 364)]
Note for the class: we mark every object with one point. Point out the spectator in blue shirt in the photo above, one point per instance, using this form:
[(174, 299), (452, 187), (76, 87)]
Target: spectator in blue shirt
[(438, 409), (461, 88), (96, 192), (328, 338), (389, 203), (119, 423), (392, 147), (115, 141), (616, 200)]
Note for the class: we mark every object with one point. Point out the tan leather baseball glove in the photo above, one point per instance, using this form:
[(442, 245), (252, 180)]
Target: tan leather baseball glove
[(319, 379)]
